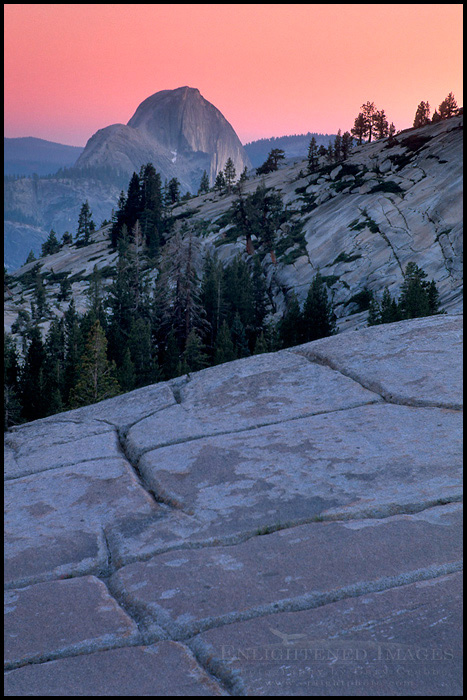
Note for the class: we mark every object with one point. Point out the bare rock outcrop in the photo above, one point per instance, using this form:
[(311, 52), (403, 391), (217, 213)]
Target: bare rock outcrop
[(284, 524)]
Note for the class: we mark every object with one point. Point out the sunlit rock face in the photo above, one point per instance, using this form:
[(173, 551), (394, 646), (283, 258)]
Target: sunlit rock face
[(178, 130)]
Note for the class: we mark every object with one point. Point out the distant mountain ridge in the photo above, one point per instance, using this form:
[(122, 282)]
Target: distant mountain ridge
[(27, 155), (294, 146), (179, 131)]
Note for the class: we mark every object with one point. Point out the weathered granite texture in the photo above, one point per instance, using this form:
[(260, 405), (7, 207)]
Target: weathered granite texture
[(287, 524)]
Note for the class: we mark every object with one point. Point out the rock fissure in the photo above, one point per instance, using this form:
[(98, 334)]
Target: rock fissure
[(183, 631), (375, 387), (251, 428), (293, 503)]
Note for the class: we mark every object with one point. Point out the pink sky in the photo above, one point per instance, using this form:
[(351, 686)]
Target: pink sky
[(271, 69)]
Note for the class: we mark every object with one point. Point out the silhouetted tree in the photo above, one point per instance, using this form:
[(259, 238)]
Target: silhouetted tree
[(422, 115), (448, 107)]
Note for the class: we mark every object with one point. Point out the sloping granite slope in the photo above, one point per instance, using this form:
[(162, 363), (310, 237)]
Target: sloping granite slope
[(286, 524)]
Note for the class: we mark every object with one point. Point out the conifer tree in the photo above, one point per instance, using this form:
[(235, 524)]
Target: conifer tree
[(173, 191), (368, 112), (414, 300), (422, 115), (220, 182), (51, 245), (126, 375), (319, 319), (239, 339), (359, 128), (224, 349), (32, 381), (132, 205), (380, 124), (448, 107), (389, 308), (96, 375), (11, 400), (290, 326), (229, 174), (85, 225), (40, 307), (374, 312), (54, 369), (73, 349), (346, 145), (141, 353), (171, 364), (312, 155), (261, 345), (338, 146), (204, 183), (211, 297), (193, 358)]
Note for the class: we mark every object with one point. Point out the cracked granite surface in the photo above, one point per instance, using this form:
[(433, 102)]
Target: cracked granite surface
[(285, 524)]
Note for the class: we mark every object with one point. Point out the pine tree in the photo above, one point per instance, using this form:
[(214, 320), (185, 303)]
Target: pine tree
[(96, 375), (32, 394), (239, 339), (359, 128), (389, 308), (73, 349), (414, 300), (319, 319), (151, 209), (346, 145), (141, 352), (448, 107), (290, 326), (51, 245), (54, 368), (132, 207), (204, 183), (11, 401), (194, 358), (211, 299), (229, 174), (261, 304), (220, 182), (312, 155), (380, 124), (40, 306), (261, 345), (171, 363), (374, 313), (173, 191), (338, 146), (368, 112), (118, 219), (422, 115), (224, 350), (85, 225), (126, 375), (244, 175), (65, 289)]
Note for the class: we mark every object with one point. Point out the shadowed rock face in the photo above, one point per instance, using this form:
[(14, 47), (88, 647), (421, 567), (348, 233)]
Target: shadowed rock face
[(285, 519), (178, 130)]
